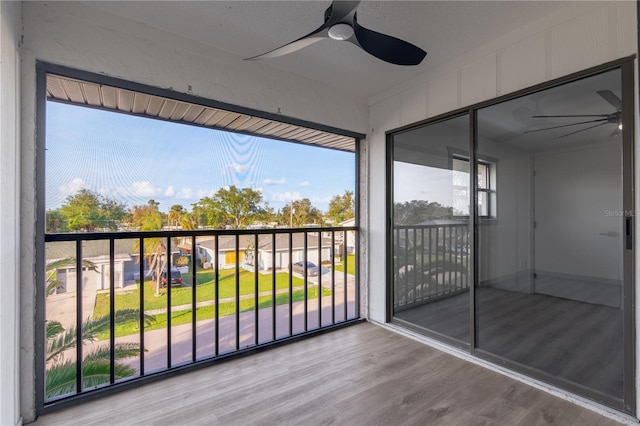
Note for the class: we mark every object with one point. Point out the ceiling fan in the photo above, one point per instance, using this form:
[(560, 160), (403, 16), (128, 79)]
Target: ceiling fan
[(600, 119), (341, 23)]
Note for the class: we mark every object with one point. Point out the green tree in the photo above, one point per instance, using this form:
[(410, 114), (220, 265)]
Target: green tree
[(88, 211), (304, 213), (232, 207), (56, 221), (342, 207), (175, 213), (147, 217), (417, 211)]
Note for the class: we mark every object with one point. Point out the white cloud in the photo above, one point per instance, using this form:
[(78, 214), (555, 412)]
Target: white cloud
[(305, 183), (170, 192), (185, 193), (239, 168), (205, 193), (143, 189), (270, 181), (285, 196), (73, 187)]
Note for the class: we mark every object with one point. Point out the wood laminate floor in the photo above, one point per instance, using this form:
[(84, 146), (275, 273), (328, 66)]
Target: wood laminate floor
[(576, 341), (358, 375)]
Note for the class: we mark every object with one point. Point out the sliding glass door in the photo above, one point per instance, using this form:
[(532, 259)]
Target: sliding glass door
[(550, 267), (541, 278), (431, 228)]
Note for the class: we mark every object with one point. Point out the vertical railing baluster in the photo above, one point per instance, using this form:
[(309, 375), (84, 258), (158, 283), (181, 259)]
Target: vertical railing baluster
[(415, 264), (406, 266), (112, 310), (237, 265), (438, 260), (216, 278), (168, 279), (194, 309), (141, 313), (450, 266), (422, 254), (396, 269), (256, 289), (333, 276), (290, 283), (79, 319), (455, 256), (306, 274), (356, 250), (273, 285), (346, 265), (319, 279)]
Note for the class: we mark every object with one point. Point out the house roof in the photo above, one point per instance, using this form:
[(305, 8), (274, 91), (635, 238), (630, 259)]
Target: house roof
[(94, 250), (227, 242)]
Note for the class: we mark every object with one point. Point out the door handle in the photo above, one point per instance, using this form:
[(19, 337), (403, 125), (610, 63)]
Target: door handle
[(628, 231)]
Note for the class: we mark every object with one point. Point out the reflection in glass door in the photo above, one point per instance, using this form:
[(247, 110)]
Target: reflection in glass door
[(550, 259), (541, 279), (431, 196)]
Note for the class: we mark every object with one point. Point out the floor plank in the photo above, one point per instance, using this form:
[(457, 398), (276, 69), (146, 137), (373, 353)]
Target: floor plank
[(573, 340), (359, 375)]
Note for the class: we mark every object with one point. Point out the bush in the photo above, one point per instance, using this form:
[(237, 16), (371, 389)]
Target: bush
[(182, 261)]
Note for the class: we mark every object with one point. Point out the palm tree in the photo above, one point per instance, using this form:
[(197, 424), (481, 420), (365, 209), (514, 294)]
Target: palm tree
[(154, 250), (60, 378)]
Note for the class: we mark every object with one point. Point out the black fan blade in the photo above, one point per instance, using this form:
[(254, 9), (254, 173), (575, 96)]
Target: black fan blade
[(564, 116), (387, 48), (581, 130), (610, 97), (567, 125), (298, 44)]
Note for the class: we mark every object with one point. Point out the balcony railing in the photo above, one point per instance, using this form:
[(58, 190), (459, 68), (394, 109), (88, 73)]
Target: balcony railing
[(430, 262), (145, 303)]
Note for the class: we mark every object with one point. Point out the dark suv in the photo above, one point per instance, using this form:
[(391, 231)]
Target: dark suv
[(176, 278)]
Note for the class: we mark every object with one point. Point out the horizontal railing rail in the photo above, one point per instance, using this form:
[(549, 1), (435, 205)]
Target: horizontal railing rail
[(123, 310), (430, 262)]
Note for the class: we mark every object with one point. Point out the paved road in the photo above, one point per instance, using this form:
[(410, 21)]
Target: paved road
[(181, 335)]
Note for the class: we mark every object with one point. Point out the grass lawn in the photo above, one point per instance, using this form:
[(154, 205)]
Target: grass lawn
[(351, 265), (205, 290), (208, 312)]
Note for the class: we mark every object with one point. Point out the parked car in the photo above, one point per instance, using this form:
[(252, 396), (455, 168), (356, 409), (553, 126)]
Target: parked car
[(312, 269), (176, 278)]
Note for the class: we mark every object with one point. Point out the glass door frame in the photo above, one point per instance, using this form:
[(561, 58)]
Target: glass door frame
[(628, 402)]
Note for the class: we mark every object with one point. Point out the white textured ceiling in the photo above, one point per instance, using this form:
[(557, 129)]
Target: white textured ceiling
[(445, 29)]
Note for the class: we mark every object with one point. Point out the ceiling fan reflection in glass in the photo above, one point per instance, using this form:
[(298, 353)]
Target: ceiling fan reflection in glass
[(600, 119)]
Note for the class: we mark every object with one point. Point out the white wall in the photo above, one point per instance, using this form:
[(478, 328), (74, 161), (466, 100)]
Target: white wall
[(75, 35), (10, 31), (578, 37), (571, 223)]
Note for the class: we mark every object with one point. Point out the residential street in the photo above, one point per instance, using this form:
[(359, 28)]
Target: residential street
[(181, 345)]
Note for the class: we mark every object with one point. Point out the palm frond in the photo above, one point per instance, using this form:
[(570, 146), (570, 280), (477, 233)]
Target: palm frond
[(121, 351), (53, 329), (60, 343), (60, 380)]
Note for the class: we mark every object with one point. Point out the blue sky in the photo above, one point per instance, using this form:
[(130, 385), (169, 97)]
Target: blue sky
[(133, 159)]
